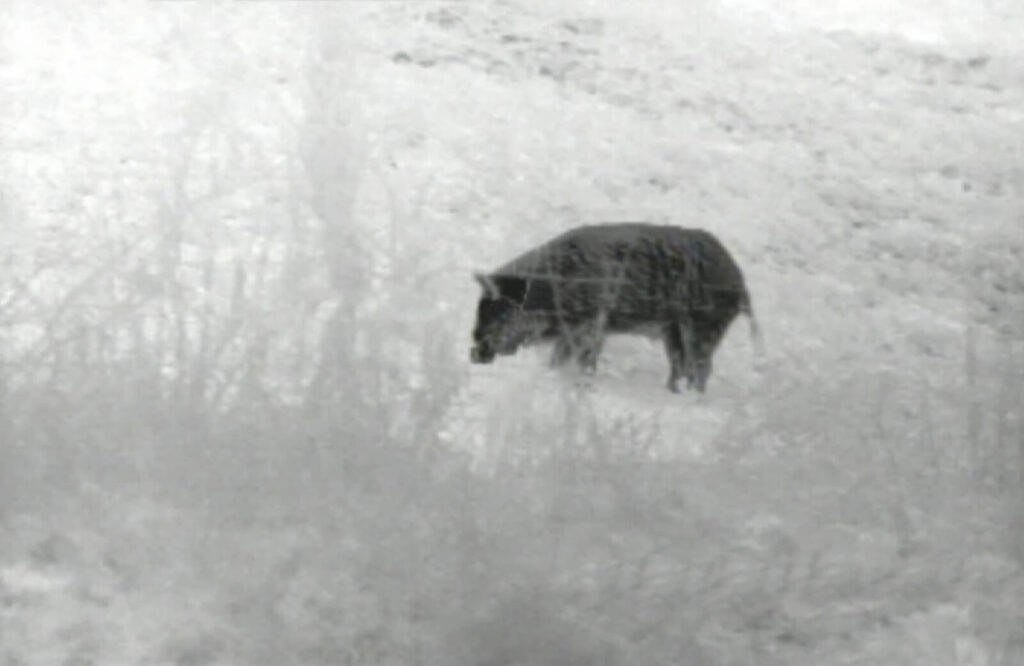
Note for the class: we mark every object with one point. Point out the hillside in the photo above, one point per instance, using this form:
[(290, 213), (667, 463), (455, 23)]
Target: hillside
[(238, 422)]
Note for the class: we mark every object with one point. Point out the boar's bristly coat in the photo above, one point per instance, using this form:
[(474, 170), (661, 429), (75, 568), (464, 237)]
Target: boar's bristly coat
[(680, 285)]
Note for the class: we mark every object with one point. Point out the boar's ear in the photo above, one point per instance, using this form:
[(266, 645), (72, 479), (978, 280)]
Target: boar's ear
[(490, 286)]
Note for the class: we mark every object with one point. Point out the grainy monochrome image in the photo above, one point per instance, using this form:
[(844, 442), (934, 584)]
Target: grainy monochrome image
[(512, 333)]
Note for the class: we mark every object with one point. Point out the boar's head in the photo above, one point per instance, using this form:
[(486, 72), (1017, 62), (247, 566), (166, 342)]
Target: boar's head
[(512, 311)]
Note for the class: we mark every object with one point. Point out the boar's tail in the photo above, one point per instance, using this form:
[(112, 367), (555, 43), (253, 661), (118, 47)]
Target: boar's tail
[(755, 330)]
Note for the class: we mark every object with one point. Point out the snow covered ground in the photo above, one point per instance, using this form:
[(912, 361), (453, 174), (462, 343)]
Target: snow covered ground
[(852, 497)]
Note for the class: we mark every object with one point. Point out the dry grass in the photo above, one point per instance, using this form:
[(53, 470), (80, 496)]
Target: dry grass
[(236, 419)]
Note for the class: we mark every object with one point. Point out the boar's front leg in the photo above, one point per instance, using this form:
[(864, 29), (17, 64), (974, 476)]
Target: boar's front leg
[(592, 341), (582, 342), (564, 349)]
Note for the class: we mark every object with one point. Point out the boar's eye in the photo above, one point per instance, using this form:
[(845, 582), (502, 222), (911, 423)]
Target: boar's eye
[(493, 311)]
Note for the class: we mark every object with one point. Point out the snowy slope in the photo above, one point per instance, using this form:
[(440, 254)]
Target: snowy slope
[(848, 498)]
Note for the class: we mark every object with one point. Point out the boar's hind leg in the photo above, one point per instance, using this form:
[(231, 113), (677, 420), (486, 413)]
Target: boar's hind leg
[(698, 379), (708, 333), (681, 344), (698, 357), (673, 337)]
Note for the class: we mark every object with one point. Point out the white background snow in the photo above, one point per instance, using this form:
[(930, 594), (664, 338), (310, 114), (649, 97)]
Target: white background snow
[(238, 424)]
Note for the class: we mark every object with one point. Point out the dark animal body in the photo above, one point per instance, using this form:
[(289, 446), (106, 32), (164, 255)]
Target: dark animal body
[(680, 285)]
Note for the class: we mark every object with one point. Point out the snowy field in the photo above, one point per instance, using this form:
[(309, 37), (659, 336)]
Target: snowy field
[(238, 422)]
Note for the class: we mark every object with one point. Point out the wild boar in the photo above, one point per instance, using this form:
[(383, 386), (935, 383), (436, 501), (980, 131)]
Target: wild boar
[(680, 285)]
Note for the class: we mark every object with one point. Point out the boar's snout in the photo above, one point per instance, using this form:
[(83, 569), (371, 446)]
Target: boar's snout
[(481, 354)]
